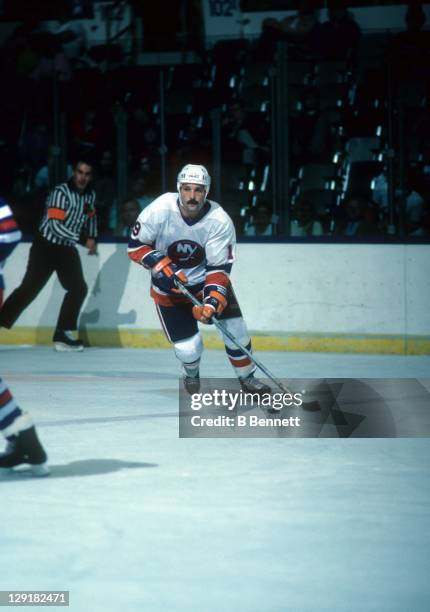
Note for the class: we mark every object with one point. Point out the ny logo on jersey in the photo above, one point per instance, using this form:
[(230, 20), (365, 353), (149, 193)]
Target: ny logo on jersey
[(186, 253)]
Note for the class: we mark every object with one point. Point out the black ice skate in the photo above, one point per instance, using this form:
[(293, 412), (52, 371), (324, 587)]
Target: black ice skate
[(250, 384), (24, 447), (192, 384), (66, 341)]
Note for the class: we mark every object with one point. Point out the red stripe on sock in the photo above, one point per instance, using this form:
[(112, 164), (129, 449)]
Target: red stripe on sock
[(240, 363)]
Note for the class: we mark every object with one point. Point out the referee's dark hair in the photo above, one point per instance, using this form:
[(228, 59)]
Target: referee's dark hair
[(83, 159)]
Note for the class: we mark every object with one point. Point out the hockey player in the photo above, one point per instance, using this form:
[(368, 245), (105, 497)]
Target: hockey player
[(185, 236), (15, 425)]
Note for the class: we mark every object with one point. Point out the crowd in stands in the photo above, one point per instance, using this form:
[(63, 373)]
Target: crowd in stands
[(359, 127)]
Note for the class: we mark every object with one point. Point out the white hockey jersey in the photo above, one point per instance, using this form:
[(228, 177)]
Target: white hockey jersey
[(196, 246)]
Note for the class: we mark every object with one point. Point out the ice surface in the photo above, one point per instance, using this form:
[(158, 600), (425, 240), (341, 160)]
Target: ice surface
[(134, 518)]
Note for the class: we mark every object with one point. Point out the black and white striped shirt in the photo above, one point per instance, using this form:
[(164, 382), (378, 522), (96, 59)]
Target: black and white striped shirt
[(67, 213)]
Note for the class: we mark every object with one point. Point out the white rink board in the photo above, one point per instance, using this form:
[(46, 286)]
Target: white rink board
[(285, 288)]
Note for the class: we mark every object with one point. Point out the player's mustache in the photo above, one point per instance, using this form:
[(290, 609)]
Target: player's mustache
[(192, 201)]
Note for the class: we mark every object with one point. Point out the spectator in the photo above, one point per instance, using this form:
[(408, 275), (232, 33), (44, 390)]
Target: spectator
[(192, 142), (70, 34), (337, 38), (241, 139), (414, 201), (34, 144), (45, 176), (105, 188), (23, 182), (424, 229), (304, 222), (300, 29), (356, 221), (380, 193), (85, 133), (143, 167), (141, 192), (128, 213), (19, 57), (260, 222), (271, 34), (52, 60), (311, 136), (409, 204), (143, 138), (81, 8), (144, 181), (418, 135), (410, 49)]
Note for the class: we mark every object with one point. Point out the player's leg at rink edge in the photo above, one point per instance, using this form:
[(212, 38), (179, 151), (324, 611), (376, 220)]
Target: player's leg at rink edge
[(23, 445)]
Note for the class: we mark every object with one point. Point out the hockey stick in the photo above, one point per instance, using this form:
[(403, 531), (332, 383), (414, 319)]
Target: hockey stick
[(230, 336)]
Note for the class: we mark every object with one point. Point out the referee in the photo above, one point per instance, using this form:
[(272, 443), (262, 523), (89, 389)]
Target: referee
[(69, 214)]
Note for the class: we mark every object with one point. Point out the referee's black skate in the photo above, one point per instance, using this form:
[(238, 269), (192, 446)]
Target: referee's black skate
[(192, 384), (24, 447), (250, 384), (67, 341)]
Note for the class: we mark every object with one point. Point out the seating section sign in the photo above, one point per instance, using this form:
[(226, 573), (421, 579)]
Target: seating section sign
[(222, 18)]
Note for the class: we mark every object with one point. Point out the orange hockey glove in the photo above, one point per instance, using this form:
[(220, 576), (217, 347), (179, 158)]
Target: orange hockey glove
[(164, 273), (214, 304)]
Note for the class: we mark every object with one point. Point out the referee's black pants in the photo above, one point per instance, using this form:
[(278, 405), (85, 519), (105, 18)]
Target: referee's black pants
[(46, 258)]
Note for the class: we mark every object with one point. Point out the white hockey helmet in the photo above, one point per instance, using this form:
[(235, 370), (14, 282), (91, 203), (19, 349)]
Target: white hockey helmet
[(192, 173)]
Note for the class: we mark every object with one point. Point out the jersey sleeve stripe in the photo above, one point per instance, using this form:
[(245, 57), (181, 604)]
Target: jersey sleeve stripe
[(135, 244), (137, 254), (217, 278)]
